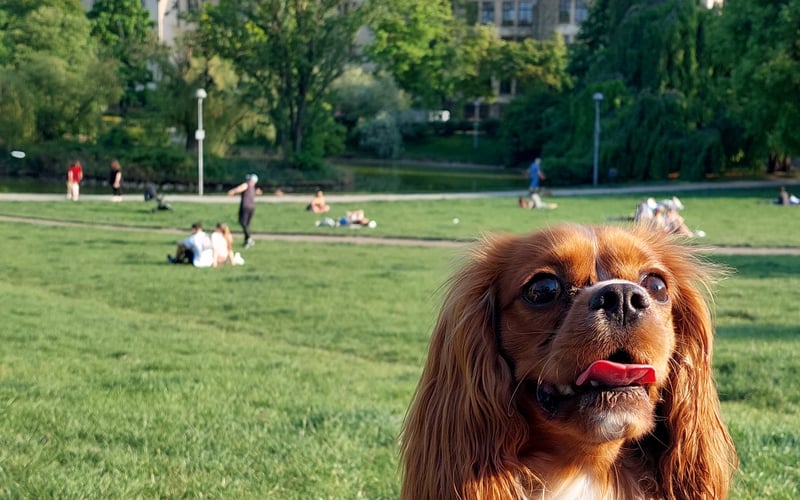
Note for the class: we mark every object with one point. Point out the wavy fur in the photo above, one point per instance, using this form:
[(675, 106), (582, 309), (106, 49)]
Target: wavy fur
[(475, 430)]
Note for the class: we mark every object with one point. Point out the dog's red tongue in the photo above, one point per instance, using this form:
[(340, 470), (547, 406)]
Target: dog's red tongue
[(610, 374)]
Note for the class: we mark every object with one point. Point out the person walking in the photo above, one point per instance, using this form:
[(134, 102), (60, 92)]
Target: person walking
[(535, 176), (247, 205), (115, 180)]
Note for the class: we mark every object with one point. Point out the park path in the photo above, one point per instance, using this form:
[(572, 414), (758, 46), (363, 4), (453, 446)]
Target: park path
[(367, 240), (672, 187)]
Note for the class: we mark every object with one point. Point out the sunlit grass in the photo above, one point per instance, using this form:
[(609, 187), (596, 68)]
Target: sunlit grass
[(122, 376)]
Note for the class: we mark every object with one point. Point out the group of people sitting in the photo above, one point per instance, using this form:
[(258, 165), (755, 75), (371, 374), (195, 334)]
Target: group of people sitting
[(202, 250), (664, 216)]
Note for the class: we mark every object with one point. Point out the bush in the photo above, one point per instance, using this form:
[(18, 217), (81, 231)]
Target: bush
[(413, 131), (568, 171), (382, 137), (491, 126)]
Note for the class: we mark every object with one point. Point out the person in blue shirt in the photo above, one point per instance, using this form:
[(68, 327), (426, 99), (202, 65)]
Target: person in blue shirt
[(535, 176)]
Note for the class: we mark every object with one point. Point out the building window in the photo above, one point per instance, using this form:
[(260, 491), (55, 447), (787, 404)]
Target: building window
[(581, 11), (505, 87), (508, 13), (192, 5), (487, 13), (565, 11), (525, 13)]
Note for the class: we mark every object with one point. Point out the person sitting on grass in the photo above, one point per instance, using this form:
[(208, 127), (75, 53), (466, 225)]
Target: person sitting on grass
[(786, 199), (318, 205), (195, 250), (222, 245)]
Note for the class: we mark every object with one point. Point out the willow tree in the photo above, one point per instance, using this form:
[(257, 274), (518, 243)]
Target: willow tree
[(756, 48), (646, 58), (288, 53)]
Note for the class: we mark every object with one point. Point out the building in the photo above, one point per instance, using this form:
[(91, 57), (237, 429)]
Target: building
[(539, 19)]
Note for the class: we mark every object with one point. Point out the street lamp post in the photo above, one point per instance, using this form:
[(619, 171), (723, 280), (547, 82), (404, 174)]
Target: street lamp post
[(597, 98), (200, 134)]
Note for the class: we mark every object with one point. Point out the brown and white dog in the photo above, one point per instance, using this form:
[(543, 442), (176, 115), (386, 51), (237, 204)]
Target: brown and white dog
[(573, 363)]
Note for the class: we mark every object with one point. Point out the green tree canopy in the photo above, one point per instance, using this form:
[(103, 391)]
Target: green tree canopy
[(52, 70), (647, 60), (124, 30), (756, 46), (433, 55), (288, 53)]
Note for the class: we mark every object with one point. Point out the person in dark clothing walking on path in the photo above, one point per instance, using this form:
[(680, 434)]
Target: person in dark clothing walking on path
[(247, 207)]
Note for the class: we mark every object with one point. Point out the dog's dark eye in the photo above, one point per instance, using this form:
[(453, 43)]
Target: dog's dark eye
[(656, 287), (542, 289)]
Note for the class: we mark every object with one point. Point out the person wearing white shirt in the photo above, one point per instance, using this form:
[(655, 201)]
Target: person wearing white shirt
[(195, 250)]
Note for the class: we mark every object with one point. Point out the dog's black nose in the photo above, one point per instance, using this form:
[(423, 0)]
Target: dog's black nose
[(623, 303)]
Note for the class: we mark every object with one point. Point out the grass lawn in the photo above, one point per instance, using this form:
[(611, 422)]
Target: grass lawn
[(122, 376), (736, 217)]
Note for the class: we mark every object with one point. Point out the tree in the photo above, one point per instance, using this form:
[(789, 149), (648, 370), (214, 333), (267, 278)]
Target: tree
[(433, 55), (359, 95), (533, 64), (756, 49), (647, 59), (53, 69), (124, 30), (288, 53)]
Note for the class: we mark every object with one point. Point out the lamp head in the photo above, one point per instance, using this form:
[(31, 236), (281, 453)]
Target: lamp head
[(201, 94)]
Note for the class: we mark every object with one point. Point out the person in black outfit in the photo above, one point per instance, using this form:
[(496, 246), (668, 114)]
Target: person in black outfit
[(247, 206), (115, 180)]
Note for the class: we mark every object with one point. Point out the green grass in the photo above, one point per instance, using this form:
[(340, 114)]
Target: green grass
[(737, 217), (122, 376)]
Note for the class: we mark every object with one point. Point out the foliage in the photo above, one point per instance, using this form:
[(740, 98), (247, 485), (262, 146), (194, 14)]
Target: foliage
[(534, 65), (140, 164), (414, 42), (755, 47), (358, 95), (381, 136), (227, 111), (288, 55), (647, 60), (124, 30), (54, 71)]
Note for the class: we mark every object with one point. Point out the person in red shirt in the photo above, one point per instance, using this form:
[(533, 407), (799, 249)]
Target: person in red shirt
[(74, 178)]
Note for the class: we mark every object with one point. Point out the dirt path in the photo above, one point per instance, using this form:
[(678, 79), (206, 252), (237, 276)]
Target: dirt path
[(360, 240)]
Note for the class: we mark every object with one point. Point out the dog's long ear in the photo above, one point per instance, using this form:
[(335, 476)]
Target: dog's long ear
[(699, 458), (456, 438)]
